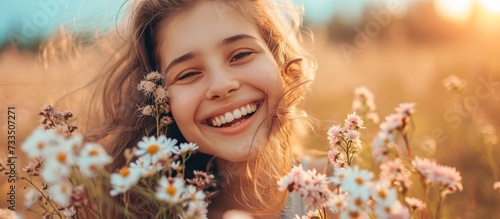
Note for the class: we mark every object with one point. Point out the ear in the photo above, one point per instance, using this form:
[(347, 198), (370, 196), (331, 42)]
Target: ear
[(292, 70)]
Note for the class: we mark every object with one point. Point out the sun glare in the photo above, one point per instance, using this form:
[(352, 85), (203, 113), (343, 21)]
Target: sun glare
[(455, 10), (491, 5)]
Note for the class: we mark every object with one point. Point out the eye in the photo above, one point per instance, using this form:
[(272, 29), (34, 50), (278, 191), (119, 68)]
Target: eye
[(240, 55), (187, 75)]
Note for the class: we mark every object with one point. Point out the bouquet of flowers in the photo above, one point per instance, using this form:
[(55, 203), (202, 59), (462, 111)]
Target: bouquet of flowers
[(355, 192), (68, 176)]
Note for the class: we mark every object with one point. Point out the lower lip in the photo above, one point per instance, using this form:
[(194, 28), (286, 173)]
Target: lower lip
[(233, 130)]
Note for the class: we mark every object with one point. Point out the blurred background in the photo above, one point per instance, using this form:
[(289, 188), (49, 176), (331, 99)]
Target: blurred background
[(401, 50)]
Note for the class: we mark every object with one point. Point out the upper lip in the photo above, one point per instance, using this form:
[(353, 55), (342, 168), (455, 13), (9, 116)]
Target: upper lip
[(229, 108)]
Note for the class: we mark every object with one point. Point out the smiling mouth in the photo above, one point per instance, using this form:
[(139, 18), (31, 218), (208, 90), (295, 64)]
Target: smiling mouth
[(234, 117)]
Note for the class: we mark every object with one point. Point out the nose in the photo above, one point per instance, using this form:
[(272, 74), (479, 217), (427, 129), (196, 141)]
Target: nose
[(222, 85)]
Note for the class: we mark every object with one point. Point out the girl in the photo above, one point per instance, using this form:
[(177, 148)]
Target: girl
[(234, 70)]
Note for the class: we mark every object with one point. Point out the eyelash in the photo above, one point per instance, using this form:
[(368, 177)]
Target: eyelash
[(245, 54), (187, 75), (235, 58)]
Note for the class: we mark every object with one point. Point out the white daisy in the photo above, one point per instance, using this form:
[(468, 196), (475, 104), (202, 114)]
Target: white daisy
[(176, 165), (339, 175), (394, 211), (145, 167), (170, 189), (187, 147), (193, 194), (354, 214), (92, 158), (60, 192), (39, 141), (337, 203), (357, 184), (384, 194), (153, 149), (197, 210), (124, 180), (58, 164)]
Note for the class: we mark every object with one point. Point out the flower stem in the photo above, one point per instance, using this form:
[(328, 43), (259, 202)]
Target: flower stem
[(324, 213), (407, 144), (157, 119), (440, 203), (50, 202), (125, 205)]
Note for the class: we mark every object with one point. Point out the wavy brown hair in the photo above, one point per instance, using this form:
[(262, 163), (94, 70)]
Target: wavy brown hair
[(117, 98)]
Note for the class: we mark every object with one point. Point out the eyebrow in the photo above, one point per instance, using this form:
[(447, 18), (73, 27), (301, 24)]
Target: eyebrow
[(224, 42)]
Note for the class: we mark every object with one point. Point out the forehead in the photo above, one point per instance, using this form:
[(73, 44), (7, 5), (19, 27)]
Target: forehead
[(202, 28)]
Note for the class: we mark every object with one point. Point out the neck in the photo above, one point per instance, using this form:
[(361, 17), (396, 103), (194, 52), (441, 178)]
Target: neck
[(234, 184), (229, 197)]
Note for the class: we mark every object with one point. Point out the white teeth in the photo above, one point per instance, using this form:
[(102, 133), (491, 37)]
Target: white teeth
[(235, 124), (229, 117), (243, 111), (236, 114), (249, 108), (232, 115)]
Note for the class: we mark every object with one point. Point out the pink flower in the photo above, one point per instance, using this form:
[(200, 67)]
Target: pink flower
[(333, 134), (353, 121), (406, 109), (391, 123), (380, 153), (162, 94), (395, 171), (147, 87), (334, 156), (423, 166), (352, 135), (380, 146), (311, 186), (415, 203), (444, 175), (448, 176), (153, 76), (147, 110), (286, 183), (391, 169)]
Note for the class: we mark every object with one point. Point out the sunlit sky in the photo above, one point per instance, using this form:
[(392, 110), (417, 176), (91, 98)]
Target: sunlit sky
[(28, 19)]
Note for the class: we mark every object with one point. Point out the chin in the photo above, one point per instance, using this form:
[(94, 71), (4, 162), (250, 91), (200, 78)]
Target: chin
[(243, 152)]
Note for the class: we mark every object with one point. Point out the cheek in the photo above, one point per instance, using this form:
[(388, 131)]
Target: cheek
[(266, 76), (183, 105)]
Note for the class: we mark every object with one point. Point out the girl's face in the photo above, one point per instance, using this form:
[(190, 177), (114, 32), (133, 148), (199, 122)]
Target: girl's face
[(222, 78)]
